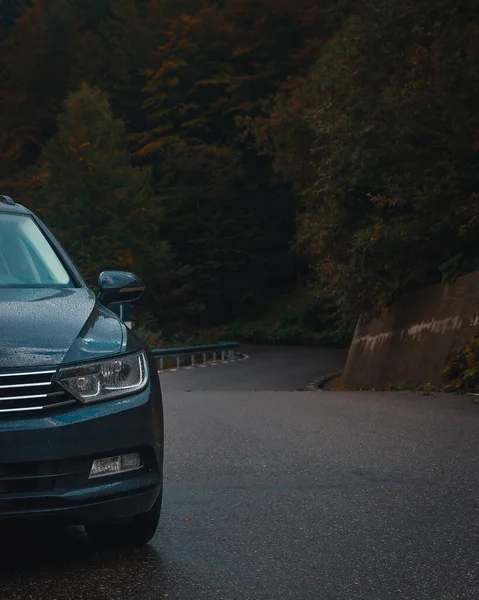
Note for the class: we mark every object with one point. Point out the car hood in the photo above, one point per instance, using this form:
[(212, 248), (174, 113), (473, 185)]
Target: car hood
[(48, 327)]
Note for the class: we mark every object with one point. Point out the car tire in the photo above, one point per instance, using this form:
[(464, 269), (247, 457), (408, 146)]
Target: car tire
[(133, 532)]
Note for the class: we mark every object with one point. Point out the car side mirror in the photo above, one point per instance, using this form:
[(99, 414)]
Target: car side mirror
[(119, 286)]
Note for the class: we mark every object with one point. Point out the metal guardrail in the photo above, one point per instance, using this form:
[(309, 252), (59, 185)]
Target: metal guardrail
[(225, 350)]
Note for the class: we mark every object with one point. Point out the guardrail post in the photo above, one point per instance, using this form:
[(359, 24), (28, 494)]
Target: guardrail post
[(178, 361), (161, 363), (192, 360)]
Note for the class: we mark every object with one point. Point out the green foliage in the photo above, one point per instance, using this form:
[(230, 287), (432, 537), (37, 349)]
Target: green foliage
[(458, 265), (218, 223), (226, 215), (9, 11), (345, 131), (99, 204), (36, 60), (101, 207), (426, 387), (462, 371), (127, 41), (178, 77), (259, 332), (264, 333), (391, 121), (397, 164), (148, 329), (306, 324)]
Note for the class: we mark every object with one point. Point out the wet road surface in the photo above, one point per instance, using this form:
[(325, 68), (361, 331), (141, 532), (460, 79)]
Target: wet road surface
[(285, 495), (270, 369)]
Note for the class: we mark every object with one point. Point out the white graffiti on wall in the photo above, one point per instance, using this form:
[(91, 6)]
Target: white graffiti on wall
[(439, 326)]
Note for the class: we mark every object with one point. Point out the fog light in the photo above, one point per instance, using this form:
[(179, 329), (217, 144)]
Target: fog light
[(114, 465)]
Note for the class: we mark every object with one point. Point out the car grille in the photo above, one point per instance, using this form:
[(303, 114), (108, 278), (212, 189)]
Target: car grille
[(30, 486), (58, 475), (30, 392)]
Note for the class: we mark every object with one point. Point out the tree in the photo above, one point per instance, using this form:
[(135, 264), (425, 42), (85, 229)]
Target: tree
[(128, 42), (9, 11), (102, 208), (237, 219), (219, 63), (280, 127), (36, 61), (396, 147), (384, 157)]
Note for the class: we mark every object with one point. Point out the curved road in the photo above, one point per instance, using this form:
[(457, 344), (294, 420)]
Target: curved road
[(268, 368), (282, 495)]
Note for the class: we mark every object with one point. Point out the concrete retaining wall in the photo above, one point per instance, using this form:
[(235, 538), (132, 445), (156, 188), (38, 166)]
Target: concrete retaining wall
[(412, 340)]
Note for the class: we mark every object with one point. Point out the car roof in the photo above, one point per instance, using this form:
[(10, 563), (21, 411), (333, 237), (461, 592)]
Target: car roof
[(13, 208)]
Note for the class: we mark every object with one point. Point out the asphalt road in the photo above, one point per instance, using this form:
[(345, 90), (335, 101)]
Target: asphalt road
[(269, 368), (286, 495)]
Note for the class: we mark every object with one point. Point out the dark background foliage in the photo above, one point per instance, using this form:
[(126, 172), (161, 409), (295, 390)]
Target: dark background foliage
[(275, 166)]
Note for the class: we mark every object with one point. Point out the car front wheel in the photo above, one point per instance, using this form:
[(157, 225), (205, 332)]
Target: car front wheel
[(135, 531)]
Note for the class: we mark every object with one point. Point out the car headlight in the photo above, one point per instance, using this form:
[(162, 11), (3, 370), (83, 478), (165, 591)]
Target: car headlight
[(105, 379)]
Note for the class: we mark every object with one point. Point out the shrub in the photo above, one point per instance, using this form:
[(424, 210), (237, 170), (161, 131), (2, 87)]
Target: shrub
[(462, 371)]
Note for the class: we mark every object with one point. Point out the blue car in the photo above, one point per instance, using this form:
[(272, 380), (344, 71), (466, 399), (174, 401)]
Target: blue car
[(81, 417)]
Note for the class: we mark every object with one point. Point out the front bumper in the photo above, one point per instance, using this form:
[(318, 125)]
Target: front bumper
[(45, 460)]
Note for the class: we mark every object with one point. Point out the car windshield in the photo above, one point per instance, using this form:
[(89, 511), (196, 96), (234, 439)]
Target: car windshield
[(26, 257)]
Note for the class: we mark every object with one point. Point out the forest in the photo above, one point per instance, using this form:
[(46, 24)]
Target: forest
[(272, 168)]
